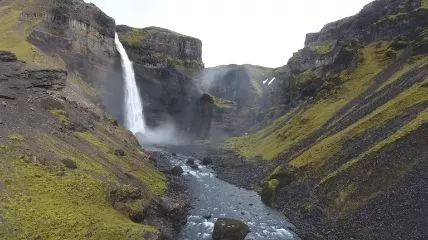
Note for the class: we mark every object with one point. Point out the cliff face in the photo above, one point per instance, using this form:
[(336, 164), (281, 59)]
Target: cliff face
[(167, 65), (351, 155), (66, 34), (243, 97)]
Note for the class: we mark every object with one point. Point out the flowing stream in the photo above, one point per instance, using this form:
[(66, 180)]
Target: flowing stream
[(134, 115), (212, 198)]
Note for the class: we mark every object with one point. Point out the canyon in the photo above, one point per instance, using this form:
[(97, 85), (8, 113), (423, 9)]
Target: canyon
[(332, 145)]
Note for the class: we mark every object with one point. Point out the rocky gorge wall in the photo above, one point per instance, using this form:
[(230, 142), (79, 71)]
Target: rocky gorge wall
[(348, 150), (167, 65)]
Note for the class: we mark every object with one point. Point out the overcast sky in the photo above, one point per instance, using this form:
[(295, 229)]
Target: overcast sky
[(260, 32)]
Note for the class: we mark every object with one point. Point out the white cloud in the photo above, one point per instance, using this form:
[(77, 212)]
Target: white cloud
[(261, 32)]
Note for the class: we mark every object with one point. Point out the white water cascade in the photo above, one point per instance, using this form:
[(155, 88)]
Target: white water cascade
[(134, 118)]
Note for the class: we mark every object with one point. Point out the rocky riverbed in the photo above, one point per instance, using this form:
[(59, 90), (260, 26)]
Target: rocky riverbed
[(212, 198)]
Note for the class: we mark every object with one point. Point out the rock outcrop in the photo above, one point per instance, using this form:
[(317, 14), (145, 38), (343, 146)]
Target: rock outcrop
[(72, 35), (167, 65)]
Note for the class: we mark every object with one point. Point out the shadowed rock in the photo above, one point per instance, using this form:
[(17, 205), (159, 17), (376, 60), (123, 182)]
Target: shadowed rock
[(230, 229)]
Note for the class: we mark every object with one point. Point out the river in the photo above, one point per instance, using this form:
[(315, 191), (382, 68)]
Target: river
[(213, 198)]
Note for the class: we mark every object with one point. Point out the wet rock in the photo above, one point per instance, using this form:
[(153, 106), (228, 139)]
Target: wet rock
[(207, 216), (68, 163), (174, 154), (173, 208), (230, 229), (207, 161), (176, 171), (119, 152), (190, 161)]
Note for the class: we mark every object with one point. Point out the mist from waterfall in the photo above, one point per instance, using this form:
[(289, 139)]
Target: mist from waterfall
[(134, 115)]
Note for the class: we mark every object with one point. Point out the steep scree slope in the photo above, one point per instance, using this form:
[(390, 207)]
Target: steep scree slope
[(351, 157)]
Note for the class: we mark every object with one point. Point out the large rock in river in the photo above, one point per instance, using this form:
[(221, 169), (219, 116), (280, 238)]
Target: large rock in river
[(230, 229)]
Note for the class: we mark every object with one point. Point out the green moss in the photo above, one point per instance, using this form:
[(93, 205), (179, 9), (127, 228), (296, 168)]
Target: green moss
[(329, 146), (61, 115), (14, 34), (424, 35), (221, 103), (16, 137), (396, 17), (307, 77), (155, 182), (256, 74), (285, 132), (39, 203), (323, 48), (424, 4), (400, 133), (133, 38), (269, 191), (415, 61)]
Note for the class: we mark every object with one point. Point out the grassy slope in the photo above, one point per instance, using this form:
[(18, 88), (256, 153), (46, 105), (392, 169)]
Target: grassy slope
[(272, 141), (72, 203), (40, 198), (285, 132)]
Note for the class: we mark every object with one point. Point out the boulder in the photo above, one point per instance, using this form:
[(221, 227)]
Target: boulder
[(176, 171), (230, 229), (207, 161), (119, 152), (191, 163), (68, 163)]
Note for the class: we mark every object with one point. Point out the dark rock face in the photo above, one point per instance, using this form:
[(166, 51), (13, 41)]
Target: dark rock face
[(230, 229), (81, 37), (119, 152), (176, 171), (68, 163), (7, 57), (166, 65), (378, 20), (49, 79), (207, 161), (191, 163), (27, 76), (158, 48), (240, 97)]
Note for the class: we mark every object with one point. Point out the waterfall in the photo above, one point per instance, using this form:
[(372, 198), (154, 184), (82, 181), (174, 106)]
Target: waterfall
[(134, 118)]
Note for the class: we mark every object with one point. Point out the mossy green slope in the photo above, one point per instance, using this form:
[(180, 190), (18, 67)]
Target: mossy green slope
[(318, 162), (271, 141), (42, 199)]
